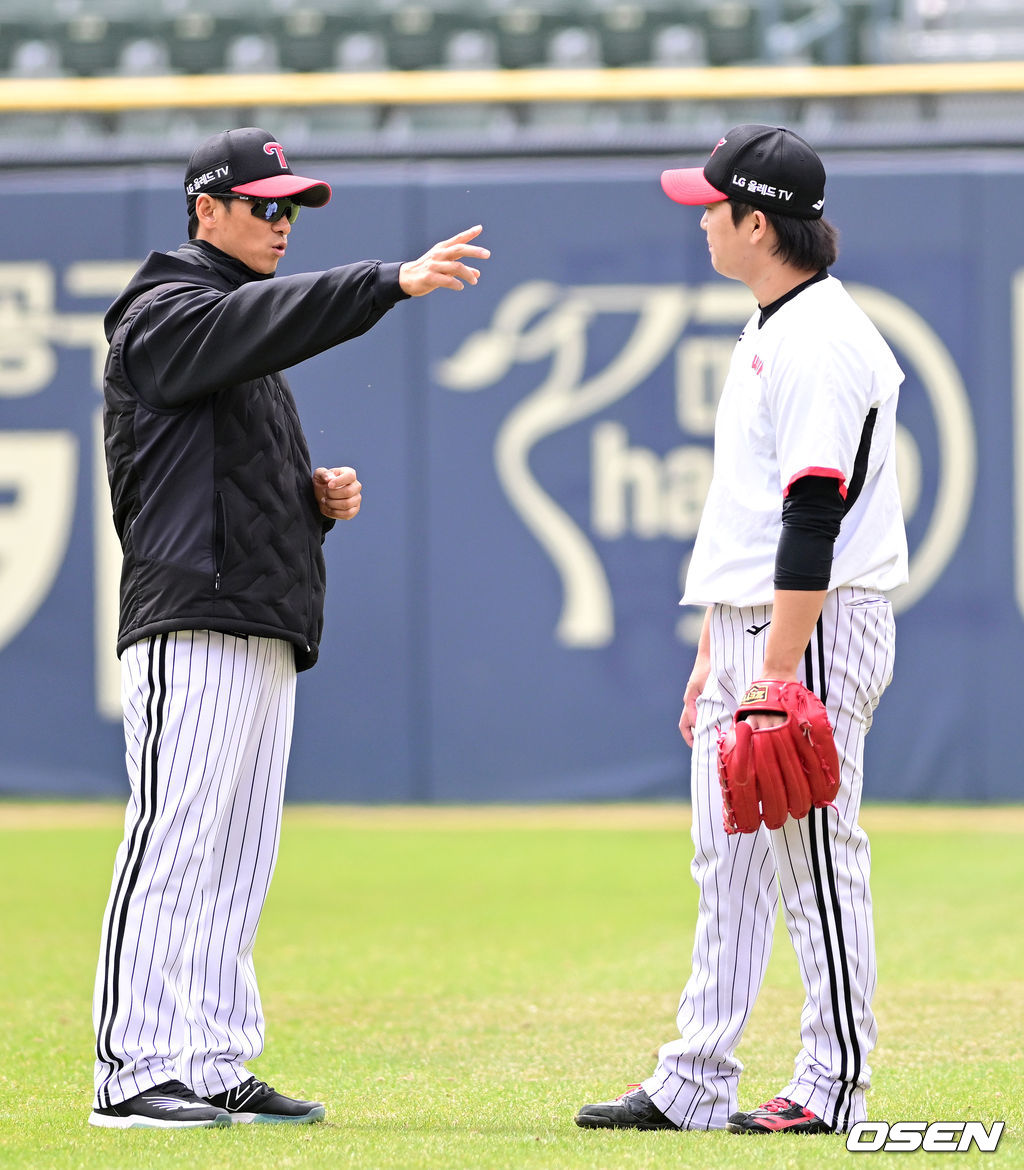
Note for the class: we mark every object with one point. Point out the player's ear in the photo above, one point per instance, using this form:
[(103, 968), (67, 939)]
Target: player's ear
[(206, 210)]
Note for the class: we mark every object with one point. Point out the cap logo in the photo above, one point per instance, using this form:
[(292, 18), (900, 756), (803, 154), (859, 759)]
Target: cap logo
[(278, 149), (720, 142), (764, 189), (198, 182)]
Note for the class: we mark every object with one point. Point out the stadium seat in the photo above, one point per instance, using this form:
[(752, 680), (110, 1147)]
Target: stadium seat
[(181, 128), (574, 47), (198, 41), (152, 125), (193, 125), (980, 109), (252, 53), (522, 31), (600, 119), (817, 118), (415, 37), (79, 129), (304, 37), (896, 43), (325, 122), (966, 14), (887, 110), (360, 52), (697, 115), (678, 46), (731, 32), (289, 124), (822, 35), (36, 58), (489, 122), (31, 129), (144, 57), (471, 48), (89, 44), (626, 28)]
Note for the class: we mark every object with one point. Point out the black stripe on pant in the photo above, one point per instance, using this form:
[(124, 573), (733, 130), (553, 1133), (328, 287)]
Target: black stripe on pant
[(138, 838), (826, 895)]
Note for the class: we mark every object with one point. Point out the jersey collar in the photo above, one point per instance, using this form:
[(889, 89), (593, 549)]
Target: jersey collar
[(768, 310)]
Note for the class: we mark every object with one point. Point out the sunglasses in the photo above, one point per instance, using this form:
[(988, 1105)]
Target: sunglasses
[(270, 210)]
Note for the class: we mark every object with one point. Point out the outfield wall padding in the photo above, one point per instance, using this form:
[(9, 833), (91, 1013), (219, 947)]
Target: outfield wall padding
[(502, 620)]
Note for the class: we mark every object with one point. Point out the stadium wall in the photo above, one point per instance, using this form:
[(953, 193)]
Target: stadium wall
[(502, 617)]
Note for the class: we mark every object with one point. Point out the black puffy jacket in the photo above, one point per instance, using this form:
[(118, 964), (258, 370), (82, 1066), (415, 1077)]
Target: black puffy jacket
[(209, 470)]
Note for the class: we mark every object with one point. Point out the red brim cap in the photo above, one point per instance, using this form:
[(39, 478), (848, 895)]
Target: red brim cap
[(315, 192), (689, 186)]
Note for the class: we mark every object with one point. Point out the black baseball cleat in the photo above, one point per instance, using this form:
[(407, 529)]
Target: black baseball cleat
[(633, 1110), (256, 1101), (170, 1105), (779, 1115)]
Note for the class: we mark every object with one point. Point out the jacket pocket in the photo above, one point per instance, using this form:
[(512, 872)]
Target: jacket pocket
[(220, 538)]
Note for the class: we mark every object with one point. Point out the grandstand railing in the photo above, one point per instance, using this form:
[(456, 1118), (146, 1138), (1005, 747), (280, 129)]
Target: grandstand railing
[(424, 87)]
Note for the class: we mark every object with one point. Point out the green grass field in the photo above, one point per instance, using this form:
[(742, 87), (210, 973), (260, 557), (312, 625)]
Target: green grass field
[(455, 983)]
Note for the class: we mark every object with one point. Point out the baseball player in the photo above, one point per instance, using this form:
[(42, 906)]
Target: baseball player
[(221, 521), (800, 540)]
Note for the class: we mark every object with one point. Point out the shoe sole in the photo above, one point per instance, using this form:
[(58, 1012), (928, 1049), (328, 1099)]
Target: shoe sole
[(317, 1114), (732, 1127), (595, 1121), (133, 1121)]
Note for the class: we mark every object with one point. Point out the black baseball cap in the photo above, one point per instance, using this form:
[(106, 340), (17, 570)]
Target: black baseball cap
[(767, 166), (252, 162)]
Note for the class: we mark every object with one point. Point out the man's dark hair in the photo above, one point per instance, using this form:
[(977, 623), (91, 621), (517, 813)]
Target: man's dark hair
[(809, 244)]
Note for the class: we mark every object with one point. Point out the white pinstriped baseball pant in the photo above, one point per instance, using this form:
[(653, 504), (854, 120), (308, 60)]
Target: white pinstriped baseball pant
[(208, 724), (819, 865)]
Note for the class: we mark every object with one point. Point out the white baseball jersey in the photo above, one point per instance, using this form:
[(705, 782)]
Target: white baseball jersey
[(795, 401)]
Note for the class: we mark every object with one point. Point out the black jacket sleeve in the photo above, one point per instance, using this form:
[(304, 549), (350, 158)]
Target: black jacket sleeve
[(192, 340)]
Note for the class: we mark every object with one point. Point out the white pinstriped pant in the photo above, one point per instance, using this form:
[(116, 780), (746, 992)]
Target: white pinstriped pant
[(820, 865), (208, 724)]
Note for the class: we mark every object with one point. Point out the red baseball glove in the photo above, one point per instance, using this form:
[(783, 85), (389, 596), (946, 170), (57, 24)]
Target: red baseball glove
[(775, 772)]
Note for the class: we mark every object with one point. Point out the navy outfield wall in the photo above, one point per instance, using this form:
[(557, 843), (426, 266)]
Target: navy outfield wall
[(502, 617)]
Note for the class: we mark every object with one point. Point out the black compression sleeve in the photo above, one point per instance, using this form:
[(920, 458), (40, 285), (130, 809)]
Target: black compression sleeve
[(812, 513)]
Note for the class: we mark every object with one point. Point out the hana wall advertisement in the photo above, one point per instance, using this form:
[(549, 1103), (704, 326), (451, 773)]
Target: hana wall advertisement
[(502, 619)]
